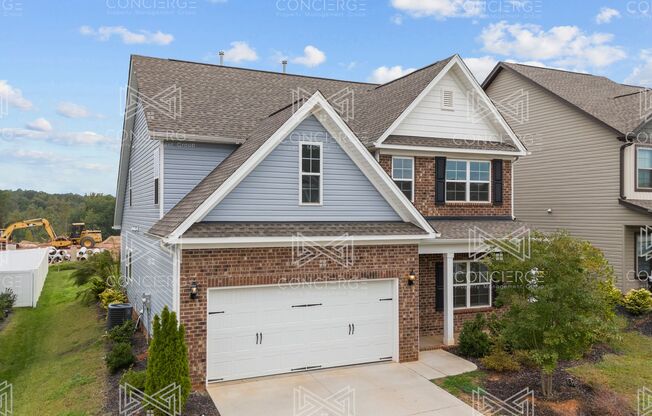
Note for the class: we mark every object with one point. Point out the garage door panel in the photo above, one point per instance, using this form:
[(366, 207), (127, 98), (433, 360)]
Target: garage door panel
[(302, 326)]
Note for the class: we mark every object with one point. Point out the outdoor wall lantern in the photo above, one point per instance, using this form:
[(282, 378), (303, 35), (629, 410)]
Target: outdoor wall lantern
[(411, 278), (193, 290)]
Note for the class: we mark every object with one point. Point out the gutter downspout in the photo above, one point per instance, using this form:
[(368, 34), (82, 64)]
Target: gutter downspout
[(622, 167), (516, 159)]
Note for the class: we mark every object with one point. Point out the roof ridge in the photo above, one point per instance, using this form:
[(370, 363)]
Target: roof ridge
[(253, 70), (547, 68), (414, 72)]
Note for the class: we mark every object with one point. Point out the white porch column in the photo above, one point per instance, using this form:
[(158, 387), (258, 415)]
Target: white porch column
[(449, 326)]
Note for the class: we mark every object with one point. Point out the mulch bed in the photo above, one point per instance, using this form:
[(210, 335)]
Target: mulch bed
[(198, 404), (571, 396)]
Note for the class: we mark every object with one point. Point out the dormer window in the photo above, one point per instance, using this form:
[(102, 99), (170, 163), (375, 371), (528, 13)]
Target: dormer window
[(644, 168), (311, 177), (447, 99)]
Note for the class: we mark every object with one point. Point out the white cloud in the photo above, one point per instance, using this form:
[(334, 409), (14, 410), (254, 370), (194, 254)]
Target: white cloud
[(13, 96), (642, 74), (397, 19), (70, 138), (606, 14), (385, 74), (562, 45), (481, 67), (104, 33), (40, 124), (72, 110), (36, 156), (311, 57), (440, 9), (240, 51)]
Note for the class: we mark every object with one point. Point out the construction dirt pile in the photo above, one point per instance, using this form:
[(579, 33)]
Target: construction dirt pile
[(112, 244)]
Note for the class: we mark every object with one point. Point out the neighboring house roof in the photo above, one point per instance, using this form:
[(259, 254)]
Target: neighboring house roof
[(642, 205), (308, 229), (615, 105), (463, 229), (461, 143), (270, 131)]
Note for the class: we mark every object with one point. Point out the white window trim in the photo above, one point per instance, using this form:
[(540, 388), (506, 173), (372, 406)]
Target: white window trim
[(468, 182), (130, 188), (320, 174), (636, 185), (403, 180), (130, 265), (157, 176), (468, 285)]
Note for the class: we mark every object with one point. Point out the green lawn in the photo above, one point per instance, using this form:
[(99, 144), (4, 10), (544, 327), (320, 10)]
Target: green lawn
[(53, 354), (624, 372)]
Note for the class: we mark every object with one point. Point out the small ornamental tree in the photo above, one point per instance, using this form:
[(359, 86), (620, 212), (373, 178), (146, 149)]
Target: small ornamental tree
[(167, 358), (556, 305)]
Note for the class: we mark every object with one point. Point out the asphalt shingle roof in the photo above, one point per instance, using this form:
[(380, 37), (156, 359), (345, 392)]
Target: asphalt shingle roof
[(460, 143), (308, 229), (462, 229), (616, 105)]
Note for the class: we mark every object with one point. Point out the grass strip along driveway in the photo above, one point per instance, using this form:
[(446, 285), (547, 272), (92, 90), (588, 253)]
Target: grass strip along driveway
[(53, 354)]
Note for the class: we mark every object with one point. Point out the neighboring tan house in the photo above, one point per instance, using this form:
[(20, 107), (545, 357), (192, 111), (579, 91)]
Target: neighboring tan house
[(589, 168), (297, 222)]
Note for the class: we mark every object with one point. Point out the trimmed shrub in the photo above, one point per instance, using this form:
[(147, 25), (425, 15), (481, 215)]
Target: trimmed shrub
[(7, 300), (612, 293), (474, 342), (500, 360), (134, 378), (119, 357), (110, 296), (123, 333), (638, 301), (167, 358)]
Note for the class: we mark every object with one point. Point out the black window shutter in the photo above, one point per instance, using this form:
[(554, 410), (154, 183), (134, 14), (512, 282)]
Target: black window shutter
[(439, 286), (440, 180), (497, 181)]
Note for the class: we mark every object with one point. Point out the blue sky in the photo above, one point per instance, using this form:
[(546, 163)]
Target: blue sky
[(63, 64)]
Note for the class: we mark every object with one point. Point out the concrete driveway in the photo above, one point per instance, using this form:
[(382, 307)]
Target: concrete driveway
[(380, 389)]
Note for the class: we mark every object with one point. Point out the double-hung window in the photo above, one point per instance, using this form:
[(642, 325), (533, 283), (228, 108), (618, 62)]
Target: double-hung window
[(403, 175), (471, 285), (643, 255), (468, 181), (311, 173), (644, 167)]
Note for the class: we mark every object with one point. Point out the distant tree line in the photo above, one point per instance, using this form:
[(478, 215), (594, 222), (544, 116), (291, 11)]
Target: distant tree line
[(96, 210)]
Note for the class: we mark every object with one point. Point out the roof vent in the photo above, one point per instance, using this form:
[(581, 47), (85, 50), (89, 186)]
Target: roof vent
[(447, 99), (284, 62), (221, 53)]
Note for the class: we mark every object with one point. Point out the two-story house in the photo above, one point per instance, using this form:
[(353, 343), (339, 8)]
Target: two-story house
[(590, 162), (297, 222)]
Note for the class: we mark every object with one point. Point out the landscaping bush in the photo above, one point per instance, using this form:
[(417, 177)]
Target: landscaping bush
[(474, 342), (7, 300), (134, 379), (110, 296), (123, 333), (91, 293), (614, 295), (119, 357), (500, 360), (638, 301), (167, 359), (101, 265)]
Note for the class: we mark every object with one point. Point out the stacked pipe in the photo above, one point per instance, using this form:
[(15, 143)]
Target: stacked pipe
[(57, 255)]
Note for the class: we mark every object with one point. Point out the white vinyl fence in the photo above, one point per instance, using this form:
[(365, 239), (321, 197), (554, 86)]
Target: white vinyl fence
[(24, 272)]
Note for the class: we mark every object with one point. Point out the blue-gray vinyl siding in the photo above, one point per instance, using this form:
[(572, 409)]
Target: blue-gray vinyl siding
[(271, 191), (152, 267), (186, 164)]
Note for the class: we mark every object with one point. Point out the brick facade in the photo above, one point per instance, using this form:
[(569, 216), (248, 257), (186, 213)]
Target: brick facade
[(424, 191), (263, 266), (431, 321)]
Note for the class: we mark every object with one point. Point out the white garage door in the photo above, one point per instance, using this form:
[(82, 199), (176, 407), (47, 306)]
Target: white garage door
[(265, 330)]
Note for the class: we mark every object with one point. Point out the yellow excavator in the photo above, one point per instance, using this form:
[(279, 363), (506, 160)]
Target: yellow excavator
[(79, 236)]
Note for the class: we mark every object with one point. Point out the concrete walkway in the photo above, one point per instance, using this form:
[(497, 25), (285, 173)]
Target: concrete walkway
[(382, 389)]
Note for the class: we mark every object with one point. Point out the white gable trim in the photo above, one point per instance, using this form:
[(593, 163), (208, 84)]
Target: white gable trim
[(455, 61), (320, 107), (420, 150)]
